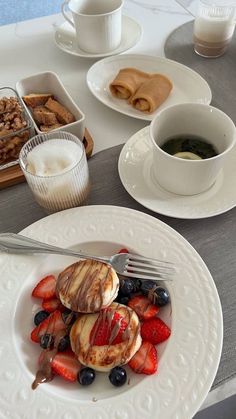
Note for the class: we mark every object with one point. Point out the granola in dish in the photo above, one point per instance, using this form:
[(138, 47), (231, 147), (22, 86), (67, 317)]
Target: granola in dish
[(13, 133)]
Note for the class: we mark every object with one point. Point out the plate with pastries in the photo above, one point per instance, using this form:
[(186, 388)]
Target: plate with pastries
[(140, 86)]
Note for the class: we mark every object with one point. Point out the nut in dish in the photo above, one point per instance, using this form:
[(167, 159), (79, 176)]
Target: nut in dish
[(15, 127)]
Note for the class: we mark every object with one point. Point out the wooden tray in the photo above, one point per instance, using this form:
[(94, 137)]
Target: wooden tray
[(14, 175)]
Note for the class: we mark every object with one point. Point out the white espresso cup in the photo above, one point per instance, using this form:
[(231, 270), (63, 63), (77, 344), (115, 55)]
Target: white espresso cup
[(190, 177), (98, 23)]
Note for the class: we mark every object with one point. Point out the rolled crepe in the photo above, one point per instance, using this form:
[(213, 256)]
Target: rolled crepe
[(127, 82), (152, 93)]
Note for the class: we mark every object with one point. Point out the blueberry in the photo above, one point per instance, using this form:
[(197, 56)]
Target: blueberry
[(157, 295), (137, 284), (126, 286), (40, 317), (148, 286), (47, 341), (86, 376), (123, 299), (161, 296), (68, 316), (64, 343), (118, 376)]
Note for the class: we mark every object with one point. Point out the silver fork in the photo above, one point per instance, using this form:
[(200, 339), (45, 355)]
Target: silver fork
[(126, 264)]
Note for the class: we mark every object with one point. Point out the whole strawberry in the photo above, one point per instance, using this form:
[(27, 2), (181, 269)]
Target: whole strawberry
[(155, 331)]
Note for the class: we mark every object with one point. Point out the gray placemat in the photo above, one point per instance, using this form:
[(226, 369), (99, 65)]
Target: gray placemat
[(213, 238), (220, 73)]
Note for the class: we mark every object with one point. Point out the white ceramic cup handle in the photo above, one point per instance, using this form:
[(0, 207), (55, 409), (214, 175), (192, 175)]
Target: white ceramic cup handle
[(64, 4)]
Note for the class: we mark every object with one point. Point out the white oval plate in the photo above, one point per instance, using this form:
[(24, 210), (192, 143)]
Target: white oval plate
[(188, 86), (187, 362), (66, 41), (135, 171)]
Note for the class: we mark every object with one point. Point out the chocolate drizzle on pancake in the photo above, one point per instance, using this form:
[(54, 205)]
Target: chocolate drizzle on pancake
[(107, 355), (82, 286)]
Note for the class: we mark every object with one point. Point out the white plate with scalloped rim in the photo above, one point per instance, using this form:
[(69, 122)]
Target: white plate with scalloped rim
[(188, 85), (188, 361), (136, 175)]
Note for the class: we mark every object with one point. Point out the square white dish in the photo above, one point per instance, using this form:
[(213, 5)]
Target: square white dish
[(49, 82)]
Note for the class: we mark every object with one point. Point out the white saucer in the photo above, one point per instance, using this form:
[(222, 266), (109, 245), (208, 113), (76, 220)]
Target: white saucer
[(66, 41), (135, 171)]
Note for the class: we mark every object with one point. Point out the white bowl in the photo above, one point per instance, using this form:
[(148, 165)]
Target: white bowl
[(49, 82), (190, 177)]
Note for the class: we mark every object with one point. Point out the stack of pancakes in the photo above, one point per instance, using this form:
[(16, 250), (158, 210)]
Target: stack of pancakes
[(89, 287)]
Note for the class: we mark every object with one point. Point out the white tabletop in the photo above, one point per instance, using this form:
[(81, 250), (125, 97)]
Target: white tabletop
[(28, 47)]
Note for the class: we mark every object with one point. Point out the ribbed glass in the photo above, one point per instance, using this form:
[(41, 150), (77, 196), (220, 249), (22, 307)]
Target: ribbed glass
[(218, 9), (63, 190)]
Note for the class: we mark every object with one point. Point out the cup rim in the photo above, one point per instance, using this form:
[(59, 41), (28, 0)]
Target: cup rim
[(228, 3), (97, 14), (185, 161), (58, 133)]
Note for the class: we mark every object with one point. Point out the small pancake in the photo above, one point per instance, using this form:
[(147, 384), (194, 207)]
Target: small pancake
[(87, 286), (152, 93), (126, 82), (106, 357)]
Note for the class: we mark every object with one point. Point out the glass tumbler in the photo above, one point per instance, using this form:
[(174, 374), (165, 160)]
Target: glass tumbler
[(68, 187), (213, 27)]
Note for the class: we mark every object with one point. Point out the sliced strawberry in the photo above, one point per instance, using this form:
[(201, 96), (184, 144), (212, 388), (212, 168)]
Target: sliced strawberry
[(66, 365), (124, 250), (155, 330), (143, 307), (45, 288), (106, 332), (52, 304), (145, 360), (51, 325)]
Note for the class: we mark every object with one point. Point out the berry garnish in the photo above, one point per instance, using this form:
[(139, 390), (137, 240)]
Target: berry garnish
[(46, 341), (64, 343), (45, 288), (161, 296), (155, 331), (124, 250), (52, 304), (40, 317), (137, 284), (86, 376), (144, 360), (143, 307), (66, 365), (68, 316), (102, 332), (118, 376), (51, 325), (126, 286), (156, 294), (122, 299), (147, 286)]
